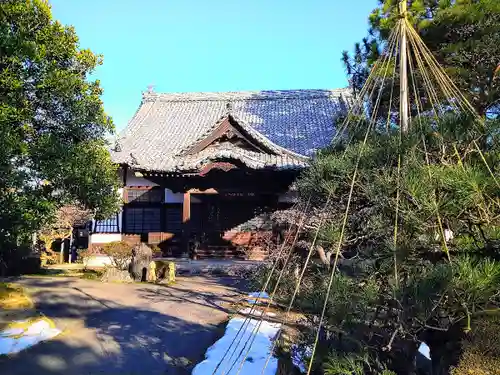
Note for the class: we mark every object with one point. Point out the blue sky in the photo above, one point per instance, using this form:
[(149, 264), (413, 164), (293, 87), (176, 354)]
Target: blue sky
[(213, 45)]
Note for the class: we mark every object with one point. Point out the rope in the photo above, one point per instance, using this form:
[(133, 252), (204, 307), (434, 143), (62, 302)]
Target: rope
[(344, 221), (246, 321), (255, 331), (430, 92), (393, 38), (297, 286)]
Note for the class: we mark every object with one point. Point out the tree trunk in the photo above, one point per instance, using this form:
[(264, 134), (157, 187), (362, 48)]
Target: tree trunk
[(325, 257)]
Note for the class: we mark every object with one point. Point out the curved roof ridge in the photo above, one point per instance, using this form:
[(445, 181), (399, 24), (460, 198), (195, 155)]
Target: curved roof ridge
[(246, 95), (164, 125)]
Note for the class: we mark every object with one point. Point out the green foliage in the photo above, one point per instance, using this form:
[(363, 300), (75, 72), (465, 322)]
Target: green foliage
[(52, 123), (434, 277), (409, 288), (120, 253), (344, 365)]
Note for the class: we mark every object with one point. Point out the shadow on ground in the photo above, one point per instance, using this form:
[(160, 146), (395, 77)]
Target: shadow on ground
[(182, 293), (103, 337)]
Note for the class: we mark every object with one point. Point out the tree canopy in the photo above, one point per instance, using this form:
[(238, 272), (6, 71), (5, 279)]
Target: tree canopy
[(52, 123)]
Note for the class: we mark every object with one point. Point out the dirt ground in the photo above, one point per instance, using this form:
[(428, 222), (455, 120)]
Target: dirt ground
[(126, 329)]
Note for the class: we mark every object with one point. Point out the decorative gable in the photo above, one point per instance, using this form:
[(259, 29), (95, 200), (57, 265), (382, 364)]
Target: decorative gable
[(229, 131)]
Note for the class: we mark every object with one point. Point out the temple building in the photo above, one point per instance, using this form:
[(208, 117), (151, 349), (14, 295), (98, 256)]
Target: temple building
[(202, 172)]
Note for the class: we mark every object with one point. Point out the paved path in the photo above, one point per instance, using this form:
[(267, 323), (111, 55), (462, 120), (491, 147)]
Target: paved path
[(124, 329)]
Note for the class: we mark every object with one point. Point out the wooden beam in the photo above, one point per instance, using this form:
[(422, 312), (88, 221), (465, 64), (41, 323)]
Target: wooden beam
[(124, 176), (186, 225), (230, 128), (186, 207), (199, 191)]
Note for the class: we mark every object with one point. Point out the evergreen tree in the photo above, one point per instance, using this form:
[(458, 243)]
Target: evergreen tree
[(52, 123), (419, 256)]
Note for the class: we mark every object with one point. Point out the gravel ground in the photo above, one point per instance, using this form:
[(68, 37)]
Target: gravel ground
[(126, 329)]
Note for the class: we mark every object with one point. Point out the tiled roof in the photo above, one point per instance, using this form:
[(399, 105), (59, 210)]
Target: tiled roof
[(291, 123)]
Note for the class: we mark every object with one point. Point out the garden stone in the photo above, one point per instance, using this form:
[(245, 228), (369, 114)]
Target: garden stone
[(142, 255)]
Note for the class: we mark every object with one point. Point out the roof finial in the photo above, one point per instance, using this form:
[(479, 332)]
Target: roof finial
[(151, 88), (229, 107), (133, 159)]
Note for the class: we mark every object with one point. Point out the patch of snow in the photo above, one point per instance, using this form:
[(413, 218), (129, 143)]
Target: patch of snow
[(448, 235), (299, 354), (258, 296), (256, 312), (425, 350), (24, 334), (257, 355)]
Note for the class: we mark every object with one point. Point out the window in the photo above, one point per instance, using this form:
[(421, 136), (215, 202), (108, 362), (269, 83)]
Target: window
[(142, 219), (173, 216), (144, 195), (107, 226)]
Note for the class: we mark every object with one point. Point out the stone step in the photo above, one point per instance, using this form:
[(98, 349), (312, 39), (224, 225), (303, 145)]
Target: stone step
[(219, 256)]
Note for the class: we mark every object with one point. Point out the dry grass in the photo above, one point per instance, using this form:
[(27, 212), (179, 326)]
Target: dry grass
[(14, 297), (15, 304), (481, 354)]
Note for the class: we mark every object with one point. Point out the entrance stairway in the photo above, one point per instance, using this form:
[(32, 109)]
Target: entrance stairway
[(219, 252), (229, 252)]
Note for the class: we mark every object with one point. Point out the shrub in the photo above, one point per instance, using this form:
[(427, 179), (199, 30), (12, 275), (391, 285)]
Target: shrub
[(399, 285), (337, 364), (18, 260), (84, 256), (120, 253)]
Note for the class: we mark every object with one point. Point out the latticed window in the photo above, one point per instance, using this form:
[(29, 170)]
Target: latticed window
[(142, 219), (107, 226), (173, 218), (144, 195)]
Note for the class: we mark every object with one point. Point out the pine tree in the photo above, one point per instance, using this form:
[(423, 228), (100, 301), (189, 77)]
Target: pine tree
[(419, 258)]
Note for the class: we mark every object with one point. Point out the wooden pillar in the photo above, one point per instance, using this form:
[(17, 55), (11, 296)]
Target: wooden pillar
[(61, 254), (186, 208), (70, 255), (186, 218)]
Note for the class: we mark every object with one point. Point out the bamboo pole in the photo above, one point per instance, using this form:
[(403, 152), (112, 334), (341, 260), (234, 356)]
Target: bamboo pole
[(403, 73)]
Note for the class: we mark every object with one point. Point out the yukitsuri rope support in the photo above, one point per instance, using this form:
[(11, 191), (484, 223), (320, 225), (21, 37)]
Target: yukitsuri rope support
[(344, 221), (393, 39), (246, 322), (255, 302), (406, 40)]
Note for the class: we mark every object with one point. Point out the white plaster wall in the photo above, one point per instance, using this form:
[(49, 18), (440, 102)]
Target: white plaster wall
[(97, 261), (105, 237), (132, 180), (171, 197)]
